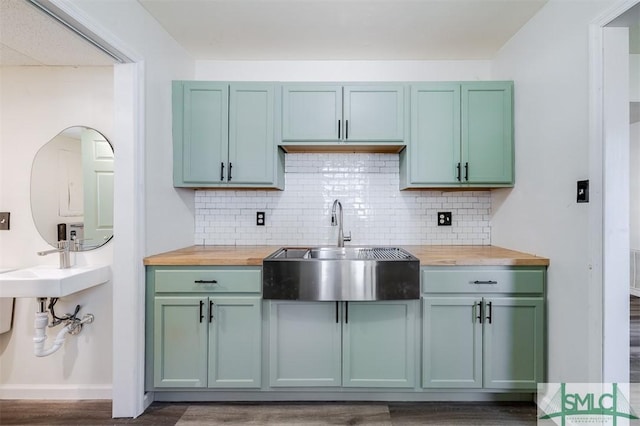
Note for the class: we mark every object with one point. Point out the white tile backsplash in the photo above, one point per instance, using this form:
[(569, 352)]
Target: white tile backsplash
[(375, 210)]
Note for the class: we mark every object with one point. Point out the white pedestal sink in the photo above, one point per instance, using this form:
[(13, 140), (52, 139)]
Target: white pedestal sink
[(51, 281)]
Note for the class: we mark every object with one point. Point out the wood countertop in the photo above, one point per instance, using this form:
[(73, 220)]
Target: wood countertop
[(428, 255)]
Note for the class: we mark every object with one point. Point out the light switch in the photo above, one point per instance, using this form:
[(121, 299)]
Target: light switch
[(583, 191), (4, 221)]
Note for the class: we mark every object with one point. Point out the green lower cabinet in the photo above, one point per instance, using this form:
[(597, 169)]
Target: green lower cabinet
[(351, 344), (513, 342), (476, 342), (378, 344), (180, 345), (451, 343), (206, 342), (234, 342), (304, 343)]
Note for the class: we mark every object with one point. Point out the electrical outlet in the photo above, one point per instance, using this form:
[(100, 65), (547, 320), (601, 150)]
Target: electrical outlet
[(4, 221), (583, 191), (260, 218), (444, 218)]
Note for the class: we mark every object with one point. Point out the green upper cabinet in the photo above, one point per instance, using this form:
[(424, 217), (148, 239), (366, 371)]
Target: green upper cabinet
[(224, 135), (487, 133), (374, 113), (461, 136), (329, 114), (311, 113), (435, 133), (200, 132)]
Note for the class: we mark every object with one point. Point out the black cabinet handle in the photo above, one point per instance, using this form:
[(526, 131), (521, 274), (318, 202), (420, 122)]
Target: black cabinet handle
[(339, 129), (478, 310), (201, 314), (490, 312), (459, 175), (485, 282), (466, 171), (221, 172), (346, 312), (346, 129), (230, 167), (337, 317), (206, 282), (211, 305)]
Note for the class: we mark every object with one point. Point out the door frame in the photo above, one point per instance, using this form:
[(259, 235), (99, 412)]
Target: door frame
[(128, 396), (608, 229)]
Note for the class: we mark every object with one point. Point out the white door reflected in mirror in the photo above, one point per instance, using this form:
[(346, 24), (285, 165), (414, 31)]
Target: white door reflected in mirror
[(72, 188)]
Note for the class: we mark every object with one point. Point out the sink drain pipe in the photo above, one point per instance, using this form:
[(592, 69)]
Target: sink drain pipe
[(73, 326)]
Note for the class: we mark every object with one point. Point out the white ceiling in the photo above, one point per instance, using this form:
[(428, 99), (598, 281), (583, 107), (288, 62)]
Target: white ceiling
[(287, 30), (342, 29), (30, 37)]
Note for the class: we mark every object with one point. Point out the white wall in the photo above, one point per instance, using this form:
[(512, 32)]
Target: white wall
[(169, 217), (548, 60), (343, 70), (36, 104)]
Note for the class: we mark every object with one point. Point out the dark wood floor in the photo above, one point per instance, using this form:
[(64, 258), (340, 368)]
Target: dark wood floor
[(20, 412), (634, 335)]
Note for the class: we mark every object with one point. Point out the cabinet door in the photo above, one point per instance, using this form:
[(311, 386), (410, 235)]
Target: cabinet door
[(234, 342), (513, 342), (304, 343), (180, 342), (200, 132), (452, 342), (311, 113), (378, 344), (487, 132), (373, 113), (251, 138), (434, 148)]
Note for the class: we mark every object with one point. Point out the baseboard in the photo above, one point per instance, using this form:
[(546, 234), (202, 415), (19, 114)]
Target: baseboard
[(54, 392), (148, 399), (234, 396)]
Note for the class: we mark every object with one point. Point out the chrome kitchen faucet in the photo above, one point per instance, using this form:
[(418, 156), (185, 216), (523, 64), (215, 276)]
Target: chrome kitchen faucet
[(338, 222)]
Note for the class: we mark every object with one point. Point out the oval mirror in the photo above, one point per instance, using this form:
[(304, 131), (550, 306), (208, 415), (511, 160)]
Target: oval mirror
[(72, 189)]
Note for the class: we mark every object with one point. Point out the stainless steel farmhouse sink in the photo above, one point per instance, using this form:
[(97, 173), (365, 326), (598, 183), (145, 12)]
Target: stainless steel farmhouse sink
[(341, 274)]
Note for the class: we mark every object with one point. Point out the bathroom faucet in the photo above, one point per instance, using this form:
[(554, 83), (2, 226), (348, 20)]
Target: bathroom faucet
[(63, 250), (336, 222)]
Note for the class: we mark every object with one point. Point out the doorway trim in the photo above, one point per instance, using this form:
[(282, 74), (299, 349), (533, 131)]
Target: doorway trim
[(609, 277), (128, 396)]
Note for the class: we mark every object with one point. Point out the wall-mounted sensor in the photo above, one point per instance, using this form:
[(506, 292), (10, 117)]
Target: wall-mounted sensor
[(583, 191), (444, 218)]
